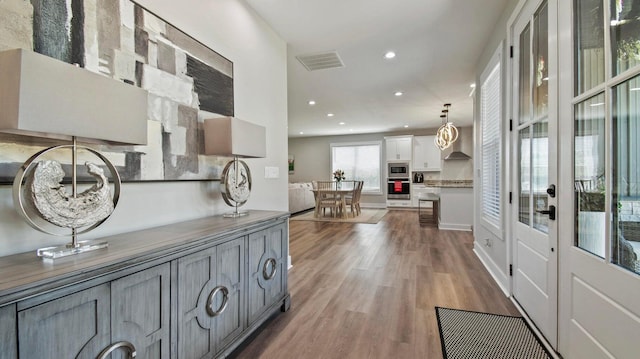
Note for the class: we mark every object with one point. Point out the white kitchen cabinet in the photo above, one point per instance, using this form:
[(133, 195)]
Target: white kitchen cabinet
[(426, 156), (456, 208), (399, 148), (398, 203), (417, 190)]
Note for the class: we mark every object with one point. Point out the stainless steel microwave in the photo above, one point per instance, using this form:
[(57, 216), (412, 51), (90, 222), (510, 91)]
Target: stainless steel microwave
[(398, 170)]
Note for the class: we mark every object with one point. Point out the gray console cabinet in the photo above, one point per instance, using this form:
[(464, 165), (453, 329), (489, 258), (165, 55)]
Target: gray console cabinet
[(129, 314), (268, 259), (194, 289), (8, 339), (210, 299), (140, 313), (73, 326)]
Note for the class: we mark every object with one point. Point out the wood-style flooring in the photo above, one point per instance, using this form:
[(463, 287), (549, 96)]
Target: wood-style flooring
[(369, 290)]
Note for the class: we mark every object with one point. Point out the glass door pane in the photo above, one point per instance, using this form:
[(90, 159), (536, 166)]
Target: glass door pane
[(589, 175), (541, 56), (524, 175), (625, 34), (525, 76), (540, 175), (625, 241), (589, 52)]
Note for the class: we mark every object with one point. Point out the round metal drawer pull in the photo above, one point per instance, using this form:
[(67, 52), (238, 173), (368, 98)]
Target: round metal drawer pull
[(123, 344), (274, 269), (225, 299)]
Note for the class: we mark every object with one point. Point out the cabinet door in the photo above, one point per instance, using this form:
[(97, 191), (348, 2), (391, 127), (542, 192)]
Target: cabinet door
[(140, 313), (433, 155), (391, 145), (404, 147), (230, 271), (210, 299), (8, 340), (267, 269), (74, 326), (196, 273), (399, 148), (426, 156)]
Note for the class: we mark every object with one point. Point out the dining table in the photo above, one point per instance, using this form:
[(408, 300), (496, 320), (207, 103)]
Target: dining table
[(340, 192)]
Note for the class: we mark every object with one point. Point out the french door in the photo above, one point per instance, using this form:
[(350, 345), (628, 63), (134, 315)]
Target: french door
[(599, 48), (534, 166)]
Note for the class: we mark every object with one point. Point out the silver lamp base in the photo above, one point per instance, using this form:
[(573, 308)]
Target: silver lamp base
[(235, 214), (70, 249)]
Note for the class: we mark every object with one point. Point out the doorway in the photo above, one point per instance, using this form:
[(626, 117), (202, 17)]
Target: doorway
[(534, 166)]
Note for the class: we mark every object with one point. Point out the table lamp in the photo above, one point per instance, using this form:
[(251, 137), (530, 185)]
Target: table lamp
[(47, 98), (233, 137)]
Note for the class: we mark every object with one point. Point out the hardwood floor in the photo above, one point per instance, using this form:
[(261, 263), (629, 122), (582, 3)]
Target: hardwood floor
[(369, 291)]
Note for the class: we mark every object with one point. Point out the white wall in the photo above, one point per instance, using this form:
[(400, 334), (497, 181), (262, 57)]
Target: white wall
[(231, 28), (492, 248)]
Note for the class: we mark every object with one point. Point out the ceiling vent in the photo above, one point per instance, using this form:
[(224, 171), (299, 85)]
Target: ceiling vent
[(321, 61)]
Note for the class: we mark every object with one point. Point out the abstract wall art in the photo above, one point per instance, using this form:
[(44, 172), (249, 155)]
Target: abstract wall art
[(186, 81)]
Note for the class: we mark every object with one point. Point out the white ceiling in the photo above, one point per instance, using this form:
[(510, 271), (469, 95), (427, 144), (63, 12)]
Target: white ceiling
[(437, 42)]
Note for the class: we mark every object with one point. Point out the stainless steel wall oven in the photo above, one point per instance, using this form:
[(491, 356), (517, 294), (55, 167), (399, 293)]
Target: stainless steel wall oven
[(399, 188)]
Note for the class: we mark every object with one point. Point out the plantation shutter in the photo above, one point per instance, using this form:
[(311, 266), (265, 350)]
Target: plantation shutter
[(490, 119)]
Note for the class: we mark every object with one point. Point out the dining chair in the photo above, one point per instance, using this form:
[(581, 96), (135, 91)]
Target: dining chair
[(353, 201), (327, 199)]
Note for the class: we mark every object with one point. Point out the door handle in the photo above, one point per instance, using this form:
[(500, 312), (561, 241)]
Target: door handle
[(551, 191), (551, 212)]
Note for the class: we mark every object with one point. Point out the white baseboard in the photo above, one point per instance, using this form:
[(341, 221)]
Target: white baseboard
[(373, 205), (498, 275), (455, 227)]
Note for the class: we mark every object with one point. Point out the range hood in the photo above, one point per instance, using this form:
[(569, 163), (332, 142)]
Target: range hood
[(457, 153)]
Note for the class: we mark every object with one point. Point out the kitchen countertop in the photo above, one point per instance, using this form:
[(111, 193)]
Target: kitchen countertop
[(449, 183)]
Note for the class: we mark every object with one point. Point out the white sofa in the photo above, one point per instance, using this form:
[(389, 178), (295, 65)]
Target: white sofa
[(301, 197)]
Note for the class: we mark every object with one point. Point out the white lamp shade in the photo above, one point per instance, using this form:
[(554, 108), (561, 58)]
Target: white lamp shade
[(230, 136), (44, 97)]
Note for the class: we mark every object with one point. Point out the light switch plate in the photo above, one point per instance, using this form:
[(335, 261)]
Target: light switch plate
[(271, 172)]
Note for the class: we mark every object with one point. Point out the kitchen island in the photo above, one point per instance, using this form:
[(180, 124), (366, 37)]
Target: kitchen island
[(456, 203)]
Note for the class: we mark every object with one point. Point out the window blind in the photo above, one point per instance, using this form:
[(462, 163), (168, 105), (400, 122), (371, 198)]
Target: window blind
[(490, 117), (359, 161)]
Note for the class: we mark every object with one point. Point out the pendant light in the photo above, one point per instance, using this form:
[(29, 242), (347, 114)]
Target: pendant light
[(447, 133)]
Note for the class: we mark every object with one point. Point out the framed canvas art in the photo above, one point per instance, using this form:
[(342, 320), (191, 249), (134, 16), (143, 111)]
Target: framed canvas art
[(186, 82)]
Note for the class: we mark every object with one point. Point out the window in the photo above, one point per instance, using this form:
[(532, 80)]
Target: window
[(490, 117), (359, 161), (607, 130)]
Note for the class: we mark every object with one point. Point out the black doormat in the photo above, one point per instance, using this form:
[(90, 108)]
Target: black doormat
[(465, 335)]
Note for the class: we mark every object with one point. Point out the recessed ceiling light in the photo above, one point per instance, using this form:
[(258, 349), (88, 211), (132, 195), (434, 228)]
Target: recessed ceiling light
[(389, 55), (399, 93), (597, 104), (351, 130), (311, 102), (302, 133), (406, 126), (330, 115), (341, 123)]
